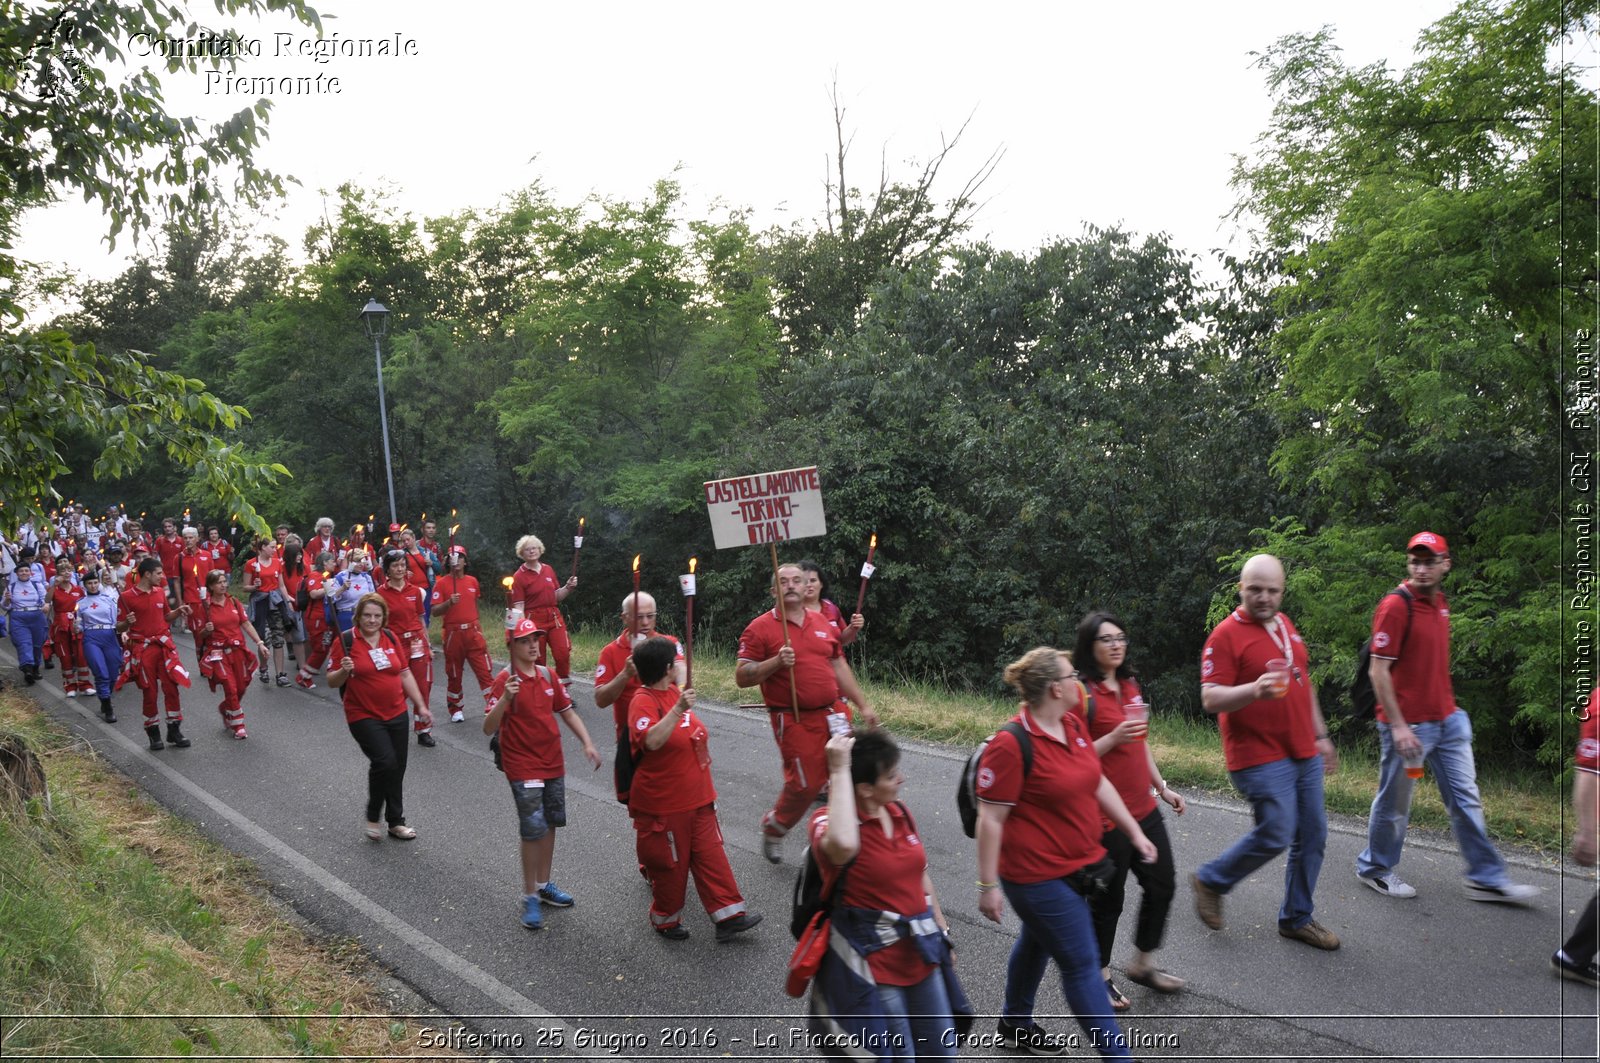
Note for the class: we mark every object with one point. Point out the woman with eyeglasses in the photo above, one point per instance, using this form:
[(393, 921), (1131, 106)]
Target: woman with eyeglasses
[(1039, 842), (1119, 726)]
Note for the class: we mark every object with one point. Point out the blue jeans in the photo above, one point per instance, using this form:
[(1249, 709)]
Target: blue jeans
[(1447, 752), (920, 1026), (1056, 925), (1290, 814)]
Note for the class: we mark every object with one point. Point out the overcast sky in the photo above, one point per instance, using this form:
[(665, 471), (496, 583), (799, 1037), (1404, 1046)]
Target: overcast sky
[(1106, 115)]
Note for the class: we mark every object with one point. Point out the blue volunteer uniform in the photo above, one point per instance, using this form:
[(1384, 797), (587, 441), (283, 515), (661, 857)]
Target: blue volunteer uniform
[(27, 594), (97, 615)]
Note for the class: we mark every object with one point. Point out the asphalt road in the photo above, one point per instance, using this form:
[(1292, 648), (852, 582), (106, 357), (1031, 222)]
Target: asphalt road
[(1439, 977)]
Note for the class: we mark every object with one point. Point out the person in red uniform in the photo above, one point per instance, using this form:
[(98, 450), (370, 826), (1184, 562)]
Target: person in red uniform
[(320, 633), (885, 912), (60, 613), (221, 549), (147, 620), (1418, 718), (1575, 959), (1120, 726), (1276, 748), (817, 601), (615, 678), (263, 578), (168, 548), (375, 685), (1039, 831), (528, 700), (801, 684), (405, 600), (225, 661), (194, 564), (538, 590), (324, 541), (456, 596), (673, 803)]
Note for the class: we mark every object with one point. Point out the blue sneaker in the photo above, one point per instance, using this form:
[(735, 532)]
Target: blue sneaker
[(555, 896), (532, 918)]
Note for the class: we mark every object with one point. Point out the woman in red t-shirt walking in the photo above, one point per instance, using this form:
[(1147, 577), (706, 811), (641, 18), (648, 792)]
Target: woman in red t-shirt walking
[(225, 661), (375, 684)]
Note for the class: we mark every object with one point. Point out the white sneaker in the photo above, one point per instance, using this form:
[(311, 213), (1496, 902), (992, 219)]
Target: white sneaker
[(1510, 893), (1389, 884), (457, 716), (72, 693)]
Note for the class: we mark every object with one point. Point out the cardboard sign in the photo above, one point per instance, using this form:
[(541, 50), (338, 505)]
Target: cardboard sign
[(768, 507)]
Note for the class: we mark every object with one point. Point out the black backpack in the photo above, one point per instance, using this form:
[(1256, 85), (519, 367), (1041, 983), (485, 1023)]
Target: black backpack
[(1363, 699), (967, 788), (808, 897)]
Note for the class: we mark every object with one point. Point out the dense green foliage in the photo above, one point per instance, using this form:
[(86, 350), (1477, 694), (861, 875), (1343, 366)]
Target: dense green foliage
[(1032, 435)]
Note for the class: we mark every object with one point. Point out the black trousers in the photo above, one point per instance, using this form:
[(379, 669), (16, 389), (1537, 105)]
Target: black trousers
[(1581, 945), (1158, 881), (385, 744)]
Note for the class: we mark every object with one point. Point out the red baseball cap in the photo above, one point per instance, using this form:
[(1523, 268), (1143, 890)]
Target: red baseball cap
[(524, 628), (458, 549), (1427, 541)]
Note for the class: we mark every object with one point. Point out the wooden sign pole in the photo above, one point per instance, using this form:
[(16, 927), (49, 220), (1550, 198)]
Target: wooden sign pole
[(783, 621)]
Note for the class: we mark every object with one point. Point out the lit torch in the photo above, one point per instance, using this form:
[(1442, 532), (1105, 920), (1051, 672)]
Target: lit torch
[(636, 558), (577, 545), (866, 572), (687, 582)]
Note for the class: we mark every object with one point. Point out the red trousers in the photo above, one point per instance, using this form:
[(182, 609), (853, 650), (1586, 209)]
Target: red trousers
[(74, 665), (556, 640), (231, 675), (803, 746), (150, 671), (672, 846), (464, 645), (421, 670), (319, 640)]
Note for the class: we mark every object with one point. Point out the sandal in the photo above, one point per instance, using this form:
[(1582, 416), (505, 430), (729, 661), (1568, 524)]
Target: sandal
[(403, 832), (1118, 1001), (1157, 979), (375, 831)]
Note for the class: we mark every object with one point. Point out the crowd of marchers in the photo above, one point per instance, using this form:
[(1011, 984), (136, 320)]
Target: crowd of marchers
[(1068, 795)]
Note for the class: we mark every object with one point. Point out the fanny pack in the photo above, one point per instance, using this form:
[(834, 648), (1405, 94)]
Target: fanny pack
[(1094, 880)]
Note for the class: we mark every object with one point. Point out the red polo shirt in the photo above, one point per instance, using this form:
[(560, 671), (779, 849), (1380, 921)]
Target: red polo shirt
[(1128, 765), (534, 590), (268, 574), (195, 567), (1588, 756), (530, 740), (405, 607), (375, 690), (613, 659), (676, 777), (148, 609), (886, 876), (1421, 656), (465, 611), (1272, 728), (815, 644), (1054, 825)]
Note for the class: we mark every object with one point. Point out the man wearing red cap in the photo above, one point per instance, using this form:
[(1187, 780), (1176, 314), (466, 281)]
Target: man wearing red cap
[(1419, 721), (457, 594)]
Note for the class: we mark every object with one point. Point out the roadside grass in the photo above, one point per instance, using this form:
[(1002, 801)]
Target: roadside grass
[(126, 933), (1525, 808)]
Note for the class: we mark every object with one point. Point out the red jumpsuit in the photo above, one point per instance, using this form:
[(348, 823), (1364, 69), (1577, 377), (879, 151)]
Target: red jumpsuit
[(463, 639), (536, 593), (151, 644), (319, 635), (226, 662), (675, 817), (405, 620), (68, 643)]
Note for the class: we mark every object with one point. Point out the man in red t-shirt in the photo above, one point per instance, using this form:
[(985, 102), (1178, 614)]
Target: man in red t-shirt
[(796, 659), (528, 699), (168, 548), (1255, 676), (616, 679), (1419, 723), (147, 620), (221, 549), (456, 595), (194, 562)]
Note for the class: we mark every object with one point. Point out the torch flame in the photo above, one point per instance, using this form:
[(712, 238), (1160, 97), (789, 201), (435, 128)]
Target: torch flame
[(424, 514), (874, 544), (452, 513), (453, 528), (506, 583), (691, 565), (580, 525), (636, 558)]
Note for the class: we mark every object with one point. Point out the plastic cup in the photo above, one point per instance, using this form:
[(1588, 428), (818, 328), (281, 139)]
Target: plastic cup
[(1278, 675), (1414, 767)]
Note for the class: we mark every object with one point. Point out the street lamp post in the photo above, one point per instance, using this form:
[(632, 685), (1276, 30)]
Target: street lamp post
[(375, 316)]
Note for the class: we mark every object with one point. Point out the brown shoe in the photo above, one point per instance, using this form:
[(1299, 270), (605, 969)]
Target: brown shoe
[(1314, 934), (1207, 903)]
